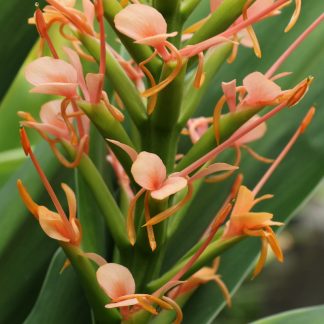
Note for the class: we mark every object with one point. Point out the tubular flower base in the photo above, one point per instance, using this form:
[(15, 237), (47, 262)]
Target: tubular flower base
[(115, 109)]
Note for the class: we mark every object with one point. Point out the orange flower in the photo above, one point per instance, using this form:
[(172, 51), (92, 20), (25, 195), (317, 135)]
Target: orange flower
[(55, 225), (245, 222)]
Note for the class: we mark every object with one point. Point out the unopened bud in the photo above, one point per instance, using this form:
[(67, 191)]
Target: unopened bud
[(24, 140), (307, 119)]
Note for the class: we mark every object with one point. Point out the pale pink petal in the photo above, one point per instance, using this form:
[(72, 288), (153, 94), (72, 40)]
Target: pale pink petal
[(149, 171), (94, 83), (254, 134), (155, 41), (68, 90), (52, 224), (128, 302), (170, 186), (116, 280), (245, 38), (139, 21), (89, 11), (67, 3), (213, 168), (129, 150), (214, 4), (229, 89), (75, 61), (49, 70), (61, 133), (260, 90), (197, 127)]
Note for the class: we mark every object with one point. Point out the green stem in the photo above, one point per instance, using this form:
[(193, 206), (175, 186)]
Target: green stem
[(105, 200), (219, 21), (170, 9), (109, 128), (187, 7), (119, 81), (96, 296), (229, 123), (137, 51), (193, 96), (213, 250)]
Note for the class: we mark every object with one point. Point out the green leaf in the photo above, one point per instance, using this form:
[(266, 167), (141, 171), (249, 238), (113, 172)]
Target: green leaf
[(294, 180), (312, 315), (16, 38), (61, 299), (22, 261)]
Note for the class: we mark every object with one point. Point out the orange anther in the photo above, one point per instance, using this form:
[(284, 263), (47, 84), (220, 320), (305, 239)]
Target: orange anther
[(24, 140)]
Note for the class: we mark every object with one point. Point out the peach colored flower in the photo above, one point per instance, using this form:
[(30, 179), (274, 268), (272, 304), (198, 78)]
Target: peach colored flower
[(54, 224), (245, 222), (119, 285)]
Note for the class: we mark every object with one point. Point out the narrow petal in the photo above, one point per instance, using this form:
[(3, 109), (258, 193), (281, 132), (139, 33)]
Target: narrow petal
[(149, 171), (28, 201), (94, 83), (126, 148), (116, 280), (76, 63), (244, 201), (172, 185), (229, 89), (253, 219), (70, 196), (128, 302), (213, 168)]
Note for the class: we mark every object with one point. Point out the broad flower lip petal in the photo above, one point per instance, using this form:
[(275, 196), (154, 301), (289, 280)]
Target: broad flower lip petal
[(155, 40), (128, 302), (170, 186), (260, 89), (254, 134), (52, 224), (52, 76), (139, 21), (149, 171), (116, 280)]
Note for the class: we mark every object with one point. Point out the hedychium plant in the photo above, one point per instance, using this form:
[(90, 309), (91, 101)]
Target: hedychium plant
[(165, 193)]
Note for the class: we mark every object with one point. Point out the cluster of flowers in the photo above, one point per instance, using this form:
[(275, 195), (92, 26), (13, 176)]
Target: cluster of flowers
[(65, 121)]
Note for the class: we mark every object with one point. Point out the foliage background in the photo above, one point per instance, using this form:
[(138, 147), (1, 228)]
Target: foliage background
[(28, 259)]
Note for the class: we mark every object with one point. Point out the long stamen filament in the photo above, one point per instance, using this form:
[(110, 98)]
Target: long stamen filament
[(286, 149), (293, 46), (28, 151)]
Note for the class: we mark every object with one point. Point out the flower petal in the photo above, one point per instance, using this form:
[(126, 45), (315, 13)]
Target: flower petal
[(169, 187), (68, 90), (260, 89), (139, 21), (52, 224), (128, 302), (48, 70), (213, 168), (255, 134), (229, 89), (244, 201), (149, 171), (116, 280), (126, 148), (94, 83)]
